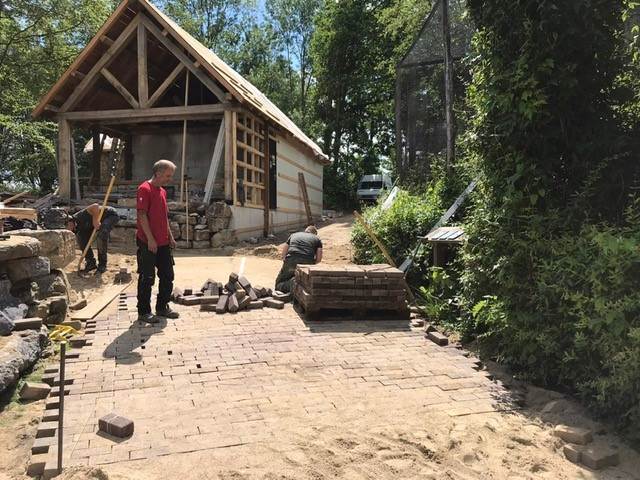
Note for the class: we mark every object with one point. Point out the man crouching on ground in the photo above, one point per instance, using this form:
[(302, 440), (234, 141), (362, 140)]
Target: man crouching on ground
[(155, 241), (302, 248)]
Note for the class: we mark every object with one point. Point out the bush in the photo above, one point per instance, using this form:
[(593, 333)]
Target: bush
[(398, 228)]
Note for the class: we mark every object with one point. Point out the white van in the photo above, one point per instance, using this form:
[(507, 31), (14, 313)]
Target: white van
[(371, 186)]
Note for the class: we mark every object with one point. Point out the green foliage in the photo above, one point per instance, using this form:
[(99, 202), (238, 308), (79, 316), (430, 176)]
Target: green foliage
[(398, 228)]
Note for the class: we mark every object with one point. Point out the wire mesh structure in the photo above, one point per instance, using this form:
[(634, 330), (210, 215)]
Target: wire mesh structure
[(421, 128)]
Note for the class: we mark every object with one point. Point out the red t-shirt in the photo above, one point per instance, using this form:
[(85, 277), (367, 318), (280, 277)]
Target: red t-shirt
[(153, 200)]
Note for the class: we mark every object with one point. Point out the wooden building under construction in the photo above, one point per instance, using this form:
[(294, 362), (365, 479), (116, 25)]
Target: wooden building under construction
[(146, 81)]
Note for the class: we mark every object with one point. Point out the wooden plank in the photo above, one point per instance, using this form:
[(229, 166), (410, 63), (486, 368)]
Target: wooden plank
[(180, 55), (14, 197), (215, 162), (92, 76), (148, 114), (305, 196), (64, 159), (295, 180), (22, 213), (163, 87), (234, 169), (99, 304), (120, 88), (143, 78)]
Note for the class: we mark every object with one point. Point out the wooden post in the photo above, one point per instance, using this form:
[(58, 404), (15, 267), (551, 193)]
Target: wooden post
[(215, 162), (184, 137), (228, 155), (186, 206), (267, 181), (143, 78), (448, 84), (64, 159), (63, 350), (74, 164)]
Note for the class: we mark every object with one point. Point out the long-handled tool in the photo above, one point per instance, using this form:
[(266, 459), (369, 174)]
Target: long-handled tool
[(116, 152)]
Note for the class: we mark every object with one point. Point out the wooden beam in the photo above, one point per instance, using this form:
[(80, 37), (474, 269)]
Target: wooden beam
[(14, 197), (143, 78), (228, 155), (184, 145), (267, 183), (215, 162), (180, 55), (120, 88), (64, 159), (104, 61), (74, 166), (156, 114), (108, 40), (305, 197), (21, 213), (52, 108), (163, 87)]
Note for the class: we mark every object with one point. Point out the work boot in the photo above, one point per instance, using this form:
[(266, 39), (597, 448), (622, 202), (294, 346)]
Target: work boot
[(166, 312), (89, 267), (148, 318), (102, 268)]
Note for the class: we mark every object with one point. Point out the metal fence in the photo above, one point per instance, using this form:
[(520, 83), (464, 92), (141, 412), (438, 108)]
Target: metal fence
[(421, 125)]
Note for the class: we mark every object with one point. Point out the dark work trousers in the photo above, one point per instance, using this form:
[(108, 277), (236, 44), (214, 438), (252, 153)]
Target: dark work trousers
[(147, 264), (102, 239), (285, 279)]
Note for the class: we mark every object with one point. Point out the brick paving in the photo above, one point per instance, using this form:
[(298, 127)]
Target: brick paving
[(210, 381)]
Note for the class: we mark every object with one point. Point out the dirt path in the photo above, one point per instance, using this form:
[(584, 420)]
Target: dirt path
[(400, 435)]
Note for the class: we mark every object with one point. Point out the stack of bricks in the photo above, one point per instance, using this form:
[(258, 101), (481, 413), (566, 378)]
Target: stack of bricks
[(236, 295), (353, 287)]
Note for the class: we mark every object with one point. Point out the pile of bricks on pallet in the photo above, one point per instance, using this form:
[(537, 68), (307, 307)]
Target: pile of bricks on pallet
[(354, 287), (236, 295)]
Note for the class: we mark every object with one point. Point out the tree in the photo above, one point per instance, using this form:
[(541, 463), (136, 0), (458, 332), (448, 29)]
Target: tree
[(38, 40)]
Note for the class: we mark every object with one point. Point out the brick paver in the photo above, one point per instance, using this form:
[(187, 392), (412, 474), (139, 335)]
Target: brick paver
[(210, 381)]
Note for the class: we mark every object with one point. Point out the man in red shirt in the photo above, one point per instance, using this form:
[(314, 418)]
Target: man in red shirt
[(155, 242)]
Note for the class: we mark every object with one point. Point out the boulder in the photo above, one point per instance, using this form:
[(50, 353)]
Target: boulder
[(55, 283), (217, 224), (182, 219), (219, 209), (58, 304), (223, 238), (6, 325), (20, 353), (186, 230), (27, 268), (175, 229), (59, 245), (16, 247)]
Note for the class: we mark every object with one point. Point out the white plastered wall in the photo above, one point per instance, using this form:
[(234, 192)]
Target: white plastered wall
[(290, 213)]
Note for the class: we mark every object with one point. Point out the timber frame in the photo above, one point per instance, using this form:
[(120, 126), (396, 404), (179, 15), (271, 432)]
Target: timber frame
[(141, 71)]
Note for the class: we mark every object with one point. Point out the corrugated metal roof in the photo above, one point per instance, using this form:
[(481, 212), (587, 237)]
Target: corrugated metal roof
[(239, 87), (447, 235)]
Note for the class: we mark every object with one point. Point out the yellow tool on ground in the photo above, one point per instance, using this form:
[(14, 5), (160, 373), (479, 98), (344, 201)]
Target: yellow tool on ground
[(61, 333)]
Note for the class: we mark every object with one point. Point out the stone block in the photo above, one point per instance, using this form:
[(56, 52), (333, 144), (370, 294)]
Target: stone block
[(209, 299), (201, 244), (75, 324), (58, 304), (182, 219), (244, 303), (175, 229), (233, 277), (218, 224), (221, 307), (283, 297), (218, 210), (256, 304), (438, 338), (573, 453), (190, 300), (581, 436), (201, 235), (116, 425), (223, 238), (28, 324), (6, 326), (273, 303), (182, 244), (209, 307), (26, 268), (59, 245), (186, 230), (232, 304), (18, 246), (42, 444), (598, 457), (34, 391)]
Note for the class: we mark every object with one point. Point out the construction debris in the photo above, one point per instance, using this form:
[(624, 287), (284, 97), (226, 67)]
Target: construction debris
[(116, 425), (235, 295)]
